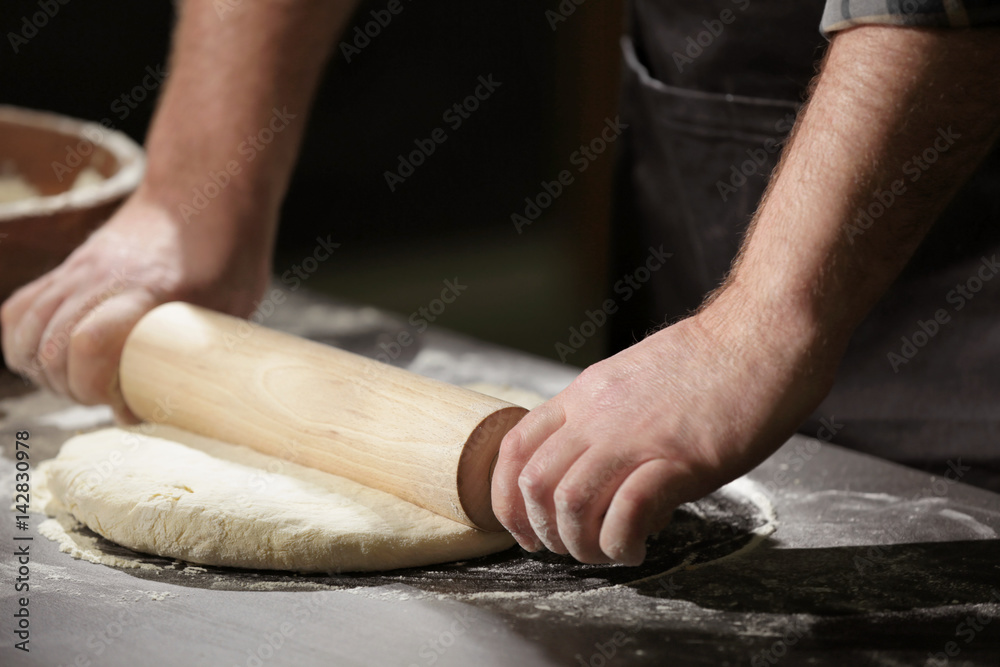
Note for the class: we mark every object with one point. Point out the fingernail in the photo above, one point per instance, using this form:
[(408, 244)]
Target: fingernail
[(631, 557), (528, 543)]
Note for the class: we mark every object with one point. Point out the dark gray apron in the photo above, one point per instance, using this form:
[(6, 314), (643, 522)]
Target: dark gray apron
[(710, 88)]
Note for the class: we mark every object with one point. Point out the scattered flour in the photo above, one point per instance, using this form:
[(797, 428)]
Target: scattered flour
[(63, 529), (743, 487), (79, 417)]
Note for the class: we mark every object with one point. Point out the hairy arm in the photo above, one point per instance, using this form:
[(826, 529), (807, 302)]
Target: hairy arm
[(201, 225), (237, 80), (898, 121), (602, 465)]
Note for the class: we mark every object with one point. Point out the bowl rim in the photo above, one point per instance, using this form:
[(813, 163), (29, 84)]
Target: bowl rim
[(129, 154)]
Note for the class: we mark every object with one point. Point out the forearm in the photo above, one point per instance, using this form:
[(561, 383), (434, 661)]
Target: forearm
[(235, 106), (854, 194), (603, 464)]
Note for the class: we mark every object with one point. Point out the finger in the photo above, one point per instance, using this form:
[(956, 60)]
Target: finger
[(13, 310), (12, 315), (53, 346), (96, 347), (516, 449), (641, 505), (583, 497), (540, 478), (40, 304)]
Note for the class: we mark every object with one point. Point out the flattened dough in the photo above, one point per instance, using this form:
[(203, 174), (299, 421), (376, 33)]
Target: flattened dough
[(183, 496), (175, 494)]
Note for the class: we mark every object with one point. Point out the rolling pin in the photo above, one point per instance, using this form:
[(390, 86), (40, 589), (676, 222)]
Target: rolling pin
[(427, 442)]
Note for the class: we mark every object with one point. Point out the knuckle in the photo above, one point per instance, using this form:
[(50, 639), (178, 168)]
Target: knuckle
[(513, 442), (51, 353), (86, 342), (571, 500), (632, 504), (531, 481), (592, 379), (603, 387), (591, 373), (89, 387)]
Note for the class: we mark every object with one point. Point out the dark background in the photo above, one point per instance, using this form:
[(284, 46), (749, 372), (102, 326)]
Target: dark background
[(452, 217)]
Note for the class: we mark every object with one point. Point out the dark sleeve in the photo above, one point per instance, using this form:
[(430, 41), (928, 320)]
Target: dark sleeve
[(842, 14)]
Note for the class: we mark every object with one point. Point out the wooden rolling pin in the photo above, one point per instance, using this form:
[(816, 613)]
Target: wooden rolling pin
[(422, 440)]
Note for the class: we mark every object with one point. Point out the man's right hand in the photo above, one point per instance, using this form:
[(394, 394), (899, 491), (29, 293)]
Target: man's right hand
[(66, 330)]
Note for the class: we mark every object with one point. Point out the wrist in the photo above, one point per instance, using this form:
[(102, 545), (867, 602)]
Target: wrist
[(784, 330), (195, 194), (218, 207), (212, 246)]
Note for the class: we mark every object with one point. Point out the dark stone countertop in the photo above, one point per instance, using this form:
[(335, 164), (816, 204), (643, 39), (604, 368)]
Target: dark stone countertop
[(870, 564)]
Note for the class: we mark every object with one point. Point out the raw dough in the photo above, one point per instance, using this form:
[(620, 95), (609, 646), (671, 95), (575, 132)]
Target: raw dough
[(168, 492), (184, 496), (13, 187)]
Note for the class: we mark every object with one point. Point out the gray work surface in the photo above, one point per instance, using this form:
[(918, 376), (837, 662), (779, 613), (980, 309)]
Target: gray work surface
[(871, 564)]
